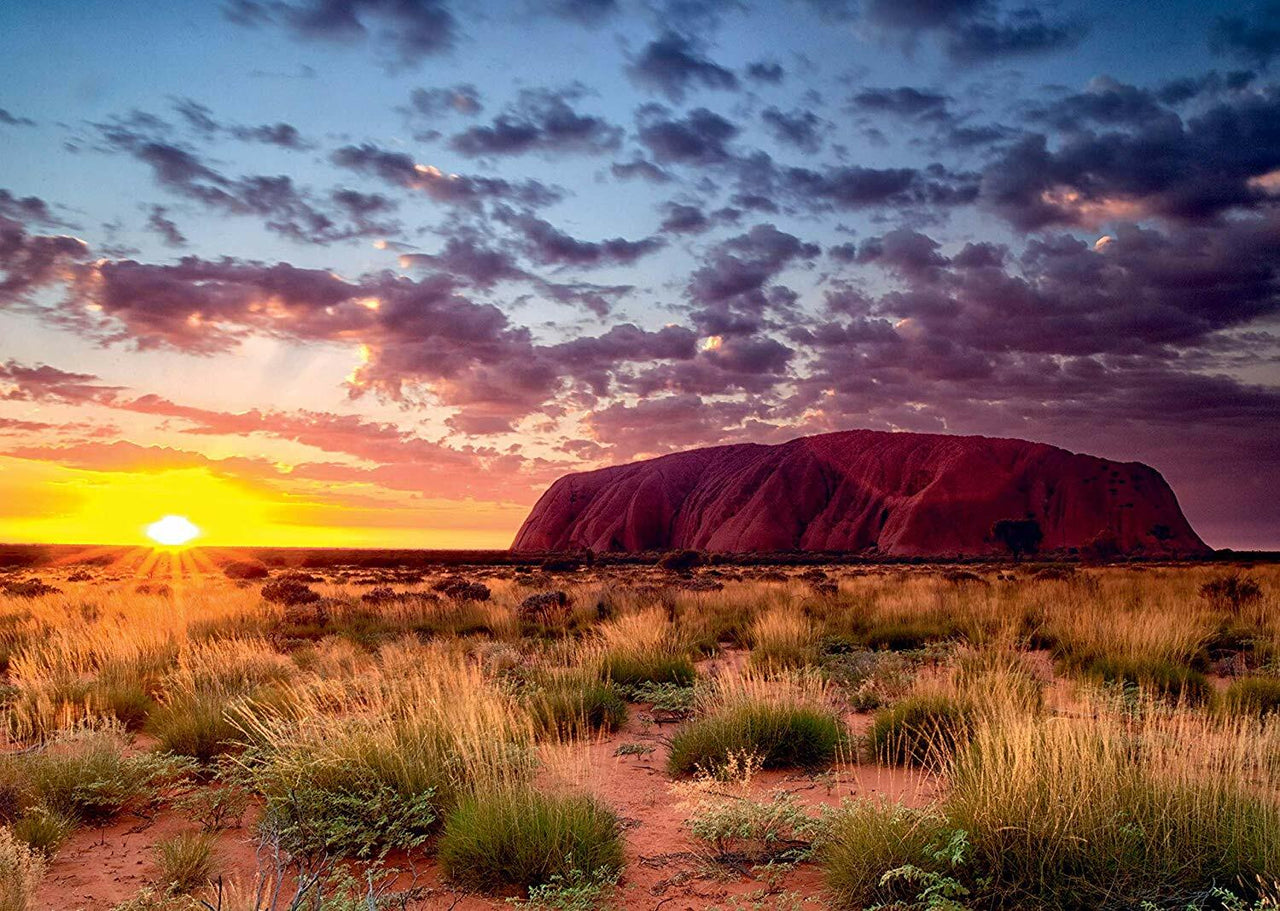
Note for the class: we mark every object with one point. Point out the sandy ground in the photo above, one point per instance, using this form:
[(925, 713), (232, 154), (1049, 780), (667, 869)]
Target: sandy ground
[(98, 868)]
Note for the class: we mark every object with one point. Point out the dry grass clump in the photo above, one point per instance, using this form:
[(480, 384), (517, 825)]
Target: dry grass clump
[(1100, 811), (782, 638), (1097, 813), (574, 703), (640, 648), (186, 862), (21, 870), (361, 766), (780, 721)]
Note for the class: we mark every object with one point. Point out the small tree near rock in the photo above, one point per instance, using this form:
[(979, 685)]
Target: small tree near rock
[(1020, 536)]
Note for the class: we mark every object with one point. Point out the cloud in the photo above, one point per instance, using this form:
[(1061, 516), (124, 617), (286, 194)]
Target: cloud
[(541, 120), (976, 31), (766, 71), (903, 101), (400, 169), (731, 290), (404, 32), (42, 383), (799, 128), (13, 120), (432, 104), (285, 208), (30, 261), (585, 12), (673, 64), (701, 137), (200, 118), (545, 244), (1253, 34), (159, 223), (1216, 161)]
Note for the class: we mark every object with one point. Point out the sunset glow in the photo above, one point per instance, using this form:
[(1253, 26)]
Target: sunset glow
[(173, 531)]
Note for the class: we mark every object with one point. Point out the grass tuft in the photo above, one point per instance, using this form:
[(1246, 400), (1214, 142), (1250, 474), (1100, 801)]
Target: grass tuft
[(520, 836)]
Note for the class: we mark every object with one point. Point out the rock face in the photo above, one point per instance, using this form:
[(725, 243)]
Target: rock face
[(861, 491)]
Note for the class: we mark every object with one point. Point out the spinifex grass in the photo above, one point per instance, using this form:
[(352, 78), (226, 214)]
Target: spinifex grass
[(781, 721)]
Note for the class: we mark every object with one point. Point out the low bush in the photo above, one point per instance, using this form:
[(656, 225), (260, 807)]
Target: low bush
[(1257, 696), (1159, 676), (743, 830), (575, 704), (43, 829), (776, 724), (523, 837), (346, 808), (88, 776), (919, 729), (185, 862), (865, 840)]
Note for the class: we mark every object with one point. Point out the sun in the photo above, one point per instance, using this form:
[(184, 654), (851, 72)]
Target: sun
[(172, 531)]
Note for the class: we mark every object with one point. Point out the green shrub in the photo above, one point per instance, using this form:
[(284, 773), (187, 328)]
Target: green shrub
[(194, 724), (344, 808), (1256, 696), (520, 836), (88, 776), (738, 830), (635, 669), (43, 829), (1158, 676), (919, 729), (865, 840), (776, 734), (576, 704), (186, 862)]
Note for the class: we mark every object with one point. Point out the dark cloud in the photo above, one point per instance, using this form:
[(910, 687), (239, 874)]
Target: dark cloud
[(42, 383), (673, 64), (160, 224), (399, 169), (26, 209), (1219, 160), (701, 137), (547, 245), (405, 32), (1252, 34), (1026, 32), (13, 120), (201, 119), (639, 167), (976, 31), (766, 71), (285, 208), (30, 261), (1106, 103), (685, 219), (541, 120), (463, 98), (732, 289), (856, 187), (800, 128), (903, 101), (585, 12)]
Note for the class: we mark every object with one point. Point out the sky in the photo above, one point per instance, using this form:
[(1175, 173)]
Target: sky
[(375, 272)]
